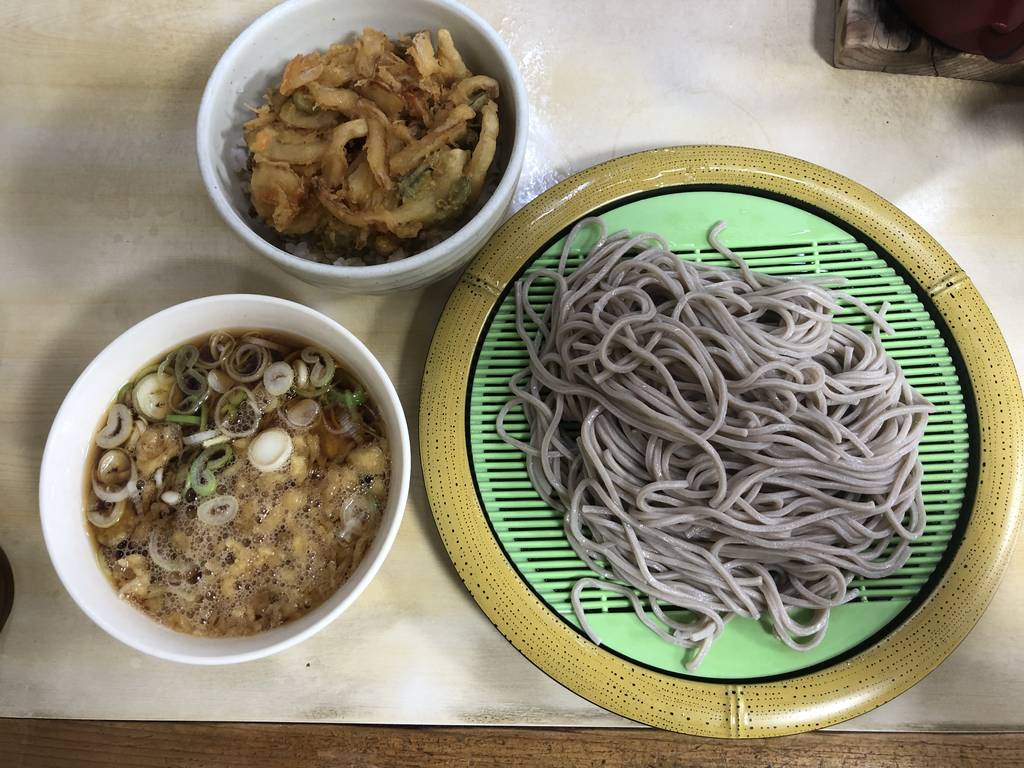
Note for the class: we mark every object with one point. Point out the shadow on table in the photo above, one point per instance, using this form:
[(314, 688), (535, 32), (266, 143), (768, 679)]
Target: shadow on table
[(823, 28), (996, 109), (413, 358)]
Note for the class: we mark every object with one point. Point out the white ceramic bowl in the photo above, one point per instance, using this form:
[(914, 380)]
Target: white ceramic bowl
[(67, 448), (255, 60)]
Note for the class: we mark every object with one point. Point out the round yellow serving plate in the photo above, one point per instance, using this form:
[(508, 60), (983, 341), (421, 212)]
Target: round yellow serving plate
[(826, 694)]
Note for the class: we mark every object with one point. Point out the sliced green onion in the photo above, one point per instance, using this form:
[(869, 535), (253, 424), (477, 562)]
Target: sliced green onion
[(313, 392), (270, 449), (167, 361), (202, 481), (301, 414), (118, 428), (199, 437), (350, 398), (215, 462), (321, 366), (342, 421), (232, 400), (237, 414), (247, 362), (191, 382), (278, 378), (186, 357), (151, 395), (201, 473), (204, 415), (220, 345), (191, 403), (218, 511), (179, 418)]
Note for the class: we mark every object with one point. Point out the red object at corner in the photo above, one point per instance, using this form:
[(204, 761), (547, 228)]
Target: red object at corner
[(993, 28)]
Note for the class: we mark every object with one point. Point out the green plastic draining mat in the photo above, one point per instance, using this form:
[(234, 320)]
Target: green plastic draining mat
[(776, 238)]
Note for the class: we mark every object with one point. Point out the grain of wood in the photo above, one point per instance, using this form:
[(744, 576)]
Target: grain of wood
[(78, 744), (872, 37)]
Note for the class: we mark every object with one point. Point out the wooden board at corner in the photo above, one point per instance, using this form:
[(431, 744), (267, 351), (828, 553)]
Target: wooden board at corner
[(84, 743), (867, 38)]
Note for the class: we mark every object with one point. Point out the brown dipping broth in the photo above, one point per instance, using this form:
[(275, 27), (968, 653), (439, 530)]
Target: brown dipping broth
[(300, 528)]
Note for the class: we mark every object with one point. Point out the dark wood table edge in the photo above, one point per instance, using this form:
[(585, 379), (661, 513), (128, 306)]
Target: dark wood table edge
[(27, 743)]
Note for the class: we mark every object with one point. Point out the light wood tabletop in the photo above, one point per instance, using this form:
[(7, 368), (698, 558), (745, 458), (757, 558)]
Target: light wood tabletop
[(103, 221)]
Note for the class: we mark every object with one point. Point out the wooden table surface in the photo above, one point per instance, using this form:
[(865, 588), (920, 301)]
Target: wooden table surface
[(103, 221)]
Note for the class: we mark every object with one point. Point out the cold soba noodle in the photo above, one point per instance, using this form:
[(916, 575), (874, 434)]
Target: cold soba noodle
[(237, 483), (716, 441)]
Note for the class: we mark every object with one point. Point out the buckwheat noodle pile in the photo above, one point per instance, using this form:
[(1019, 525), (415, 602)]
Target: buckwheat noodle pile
[(716, 441)]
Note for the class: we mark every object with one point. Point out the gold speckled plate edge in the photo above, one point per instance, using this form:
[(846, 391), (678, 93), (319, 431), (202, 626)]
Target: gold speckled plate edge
[(819, 698)]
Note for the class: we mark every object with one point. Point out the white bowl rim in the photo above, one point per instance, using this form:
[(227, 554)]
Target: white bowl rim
[(504, 190), (51, 454)]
